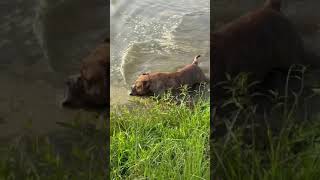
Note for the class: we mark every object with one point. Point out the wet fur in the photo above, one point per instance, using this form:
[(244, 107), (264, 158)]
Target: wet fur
[(258, 43), (158, 82)]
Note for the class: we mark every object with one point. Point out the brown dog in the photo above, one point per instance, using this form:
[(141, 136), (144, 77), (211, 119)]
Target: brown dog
[(90, 88), (258, 42), (157, 83)]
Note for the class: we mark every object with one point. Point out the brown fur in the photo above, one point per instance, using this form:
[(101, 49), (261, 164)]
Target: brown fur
[(257, 42), (157, 83), (90, 86), (274, 4)]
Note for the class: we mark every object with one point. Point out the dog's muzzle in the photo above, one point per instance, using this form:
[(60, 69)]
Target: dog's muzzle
[(72, 84), (133, 91)]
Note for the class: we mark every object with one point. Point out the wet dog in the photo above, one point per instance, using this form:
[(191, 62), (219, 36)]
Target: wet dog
[(260, 42), (257, 42), (90, 88), (156, 83)]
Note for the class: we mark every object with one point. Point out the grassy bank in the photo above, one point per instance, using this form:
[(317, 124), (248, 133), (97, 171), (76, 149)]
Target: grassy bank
[(161, 139), (153, 138), (77, 151), (282, 144), (292, 155)]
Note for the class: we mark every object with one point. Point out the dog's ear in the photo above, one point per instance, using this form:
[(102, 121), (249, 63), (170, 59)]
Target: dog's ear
[(145, 73)]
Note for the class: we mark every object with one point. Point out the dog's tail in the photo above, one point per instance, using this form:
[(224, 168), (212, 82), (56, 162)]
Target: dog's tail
[(273, 4), (195, 60)]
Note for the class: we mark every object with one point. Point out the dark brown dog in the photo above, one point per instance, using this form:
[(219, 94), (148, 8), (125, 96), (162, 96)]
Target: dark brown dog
[(257, 42), (89, 88), (157, 83)]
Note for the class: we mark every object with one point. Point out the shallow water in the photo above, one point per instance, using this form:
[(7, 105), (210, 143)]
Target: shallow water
[(42, 42), (148, 35)]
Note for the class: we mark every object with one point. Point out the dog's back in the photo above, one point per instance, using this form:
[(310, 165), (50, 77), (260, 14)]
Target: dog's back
[(273, 4), (192, 73), (257, 42)]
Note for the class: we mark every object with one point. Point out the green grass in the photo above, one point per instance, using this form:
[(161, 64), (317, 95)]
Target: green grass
[(291, 151), (161, 139), (168, 138), (154, 139), (294, 154)]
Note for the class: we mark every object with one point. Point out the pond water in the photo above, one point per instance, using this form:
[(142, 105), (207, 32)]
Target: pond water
[(42, 42), (149, 35)]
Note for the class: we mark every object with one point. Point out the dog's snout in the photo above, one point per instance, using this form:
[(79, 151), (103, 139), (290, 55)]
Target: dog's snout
[(132, 92), (65, 103)]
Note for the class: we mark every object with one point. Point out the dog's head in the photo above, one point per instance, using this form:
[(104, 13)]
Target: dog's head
[(74, 91), (89, 88), (141, 86), (86, 91)]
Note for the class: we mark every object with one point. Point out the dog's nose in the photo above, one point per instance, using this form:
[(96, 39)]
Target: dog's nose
[(68, 82), (65, 103), (131, 93)]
